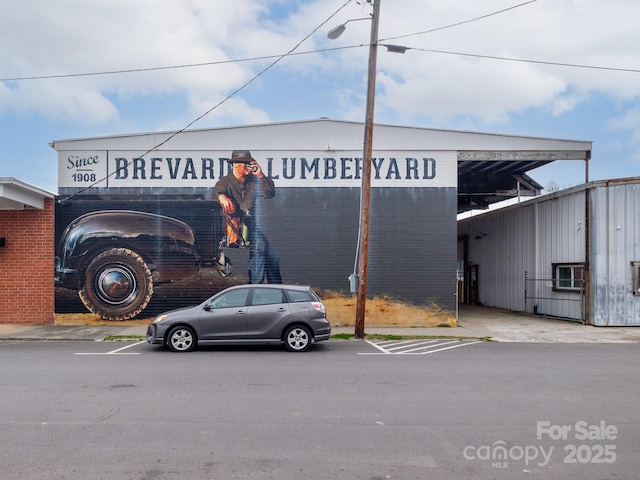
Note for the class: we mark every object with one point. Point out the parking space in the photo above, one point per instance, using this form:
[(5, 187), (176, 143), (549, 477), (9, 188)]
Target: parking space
[(367, 347), (120, 350), (417, 346)]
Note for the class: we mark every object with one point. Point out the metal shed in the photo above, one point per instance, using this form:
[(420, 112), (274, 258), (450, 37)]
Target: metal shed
[(572, 254)]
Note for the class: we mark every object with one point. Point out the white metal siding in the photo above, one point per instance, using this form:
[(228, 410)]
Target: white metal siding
[(502, 255), (551, 229), (529, 238), (561, 228), (615, 244)]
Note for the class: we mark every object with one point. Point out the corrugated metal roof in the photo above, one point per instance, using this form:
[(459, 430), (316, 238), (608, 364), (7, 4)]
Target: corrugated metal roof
[(559, 194), (491, 167), (326, 134)]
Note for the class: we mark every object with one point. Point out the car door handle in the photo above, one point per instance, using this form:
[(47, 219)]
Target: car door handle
[(240, 312), (282, 309)]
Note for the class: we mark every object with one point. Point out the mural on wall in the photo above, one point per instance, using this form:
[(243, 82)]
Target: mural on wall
[(139, 236), (239, 194)]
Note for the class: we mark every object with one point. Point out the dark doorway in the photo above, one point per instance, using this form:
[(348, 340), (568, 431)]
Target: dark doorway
[(473, 285)]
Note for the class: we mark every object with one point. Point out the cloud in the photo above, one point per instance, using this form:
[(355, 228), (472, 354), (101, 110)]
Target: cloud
[(443, 88), (40, 37), (58, 100), (630, 122), (69, 36)]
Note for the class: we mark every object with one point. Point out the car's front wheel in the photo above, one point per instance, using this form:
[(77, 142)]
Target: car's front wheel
[(181, 339), (297, 338)]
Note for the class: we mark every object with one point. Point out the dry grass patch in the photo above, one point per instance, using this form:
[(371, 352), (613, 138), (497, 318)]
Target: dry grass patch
[(384, 312), (91, 319), (341, 312)]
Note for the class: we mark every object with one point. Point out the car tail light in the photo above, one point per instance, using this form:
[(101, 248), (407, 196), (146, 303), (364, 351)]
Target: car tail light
[(319, 306)]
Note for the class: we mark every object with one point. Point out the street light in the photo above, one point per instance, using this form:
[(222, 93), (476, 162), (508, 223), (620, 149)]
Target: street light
[(365, 191), (337, 31)]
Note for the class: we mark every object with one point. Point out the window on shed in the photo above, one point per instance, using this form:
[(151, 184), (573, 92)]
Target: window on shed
[(568, 276), (635, 277)]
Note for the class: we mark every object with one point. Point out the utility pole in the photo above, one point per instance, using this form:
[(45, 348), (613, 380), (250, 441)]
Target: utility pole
[(365, 192)]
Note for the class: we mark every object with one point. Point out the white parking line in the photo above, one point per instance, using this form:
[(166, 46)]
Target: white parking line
[(382, 349), (429, 345), (405, 352), (415, 347), (396, 342), (461, 344), (117, 351)]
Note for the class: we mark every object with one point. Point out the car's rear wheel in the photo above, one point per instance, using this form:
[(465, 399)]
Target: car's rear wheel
[(118, 284), (181, 339), (297, 338)]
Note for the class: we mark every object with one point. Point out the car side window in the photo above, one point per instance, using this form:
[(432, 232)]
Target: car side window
[(234, 298), (299, 296), (267, 296)]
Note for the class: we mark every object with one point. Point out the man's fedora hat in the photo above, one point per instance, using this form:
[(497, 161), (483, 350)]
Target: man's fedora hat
[(240, 156)]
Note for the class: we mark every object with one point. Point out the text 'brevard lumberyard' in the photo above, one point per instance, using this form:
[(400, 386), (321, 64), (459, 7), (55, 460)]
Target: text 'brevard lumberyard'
[(287, 168)]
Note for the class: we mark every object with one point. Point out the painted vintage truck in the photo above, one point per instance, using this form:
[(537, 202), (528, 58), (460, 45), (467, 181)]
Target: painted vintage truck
[(113, 258)]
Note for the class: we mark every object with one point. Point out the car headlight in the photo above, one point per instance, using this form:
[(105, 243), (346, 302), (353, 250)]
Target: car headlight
[(159, 318)]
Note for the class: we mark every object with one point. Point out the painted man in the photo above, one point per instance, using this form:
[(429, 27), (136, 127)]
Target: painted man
[(239, 194)]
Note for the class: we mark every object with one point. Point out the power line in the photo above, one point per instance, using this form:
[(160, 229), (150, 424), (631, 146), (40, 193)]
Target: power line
[(172, 67), (461, 23), (522, 60), (250, 59), (323, 50), (228, 97), (291, 52)]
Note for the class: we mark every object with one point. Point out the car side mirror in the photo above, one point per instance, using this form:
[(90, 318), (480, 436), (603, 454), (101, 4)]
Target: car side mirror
[(207, 307)]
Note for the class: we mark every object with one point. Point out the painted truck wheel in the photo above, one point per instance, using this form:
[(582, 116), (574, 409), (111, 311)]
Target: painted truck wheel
[(118, 284)]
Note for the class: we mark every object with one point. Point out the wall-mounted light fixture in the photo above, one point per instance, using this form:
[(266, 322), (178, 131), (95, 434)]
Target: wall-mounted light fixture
[(480, 236), (3, 241)]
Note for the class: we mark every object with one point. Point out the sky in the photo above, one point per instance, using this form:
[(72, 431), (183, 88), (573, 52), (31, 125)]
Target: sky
[(566, 69)]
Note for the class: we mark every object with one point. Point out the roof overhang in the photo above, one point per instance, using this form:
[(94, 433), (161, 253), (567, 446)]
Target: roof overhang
[(491, 167), (487, 177), (18, 195)]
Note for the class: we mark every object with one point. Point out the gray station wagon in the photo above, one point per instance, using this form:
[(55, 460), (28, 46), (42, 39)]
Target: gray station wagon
[(246, 314)]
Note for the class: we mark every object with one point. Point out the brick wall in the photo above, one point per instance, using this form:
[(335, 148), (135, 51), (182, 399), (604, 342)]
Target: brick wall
[(27, 261)]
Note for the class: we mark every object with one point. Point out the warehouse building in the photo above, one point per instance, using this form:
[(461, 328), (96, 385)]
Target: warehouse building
[(572, 254), (421, 178)]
